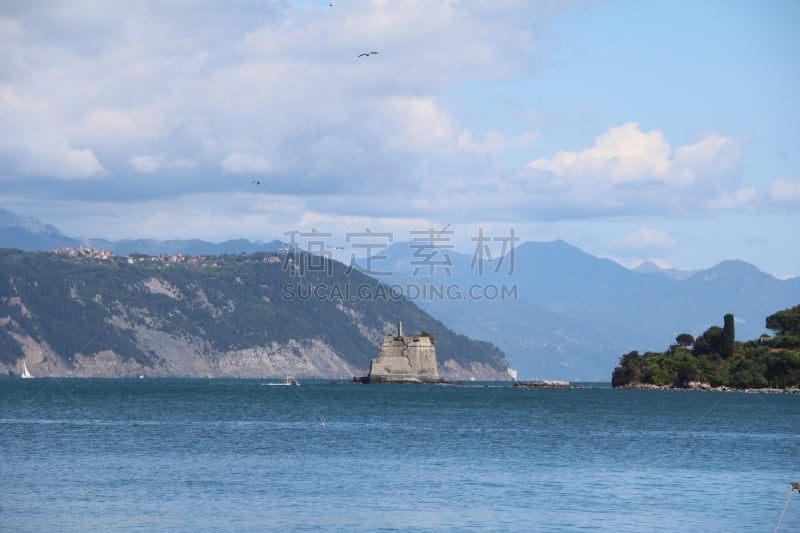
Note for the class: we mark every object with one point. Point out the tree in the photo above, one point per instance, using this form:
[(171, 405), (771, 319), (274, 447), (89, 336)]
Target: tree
[(629, 370), (684, 339), (653, 373), (783, 369), (728, 337), (718, 359), (786, 322), (709, 343), (687, 371)]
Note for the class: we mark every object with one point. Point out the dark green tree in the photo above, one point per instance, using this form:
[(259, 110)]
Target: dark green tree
[(728, 337), (750, 372), (709, 343), (653, 373), (684, 339), (687, 371), (629, 370), (783, 369), (786, 322)]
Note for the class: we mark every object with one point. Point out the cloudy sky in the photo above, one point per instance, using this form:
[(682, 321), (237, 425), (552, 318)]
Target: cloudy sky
[(635, 130)]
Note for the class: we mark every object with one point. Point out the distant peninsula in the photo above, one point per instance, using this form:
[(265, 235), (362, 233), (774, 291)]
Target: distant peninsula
[(87, 312), (715, 360)]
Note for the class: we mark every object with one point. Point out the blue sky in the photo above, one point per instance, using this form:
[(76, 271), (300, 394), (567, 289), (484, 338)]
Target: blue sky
[(663, 131)]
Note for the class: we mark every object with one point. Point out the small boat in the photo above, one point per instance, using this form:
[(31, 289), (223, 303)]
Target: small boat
[(286, 381), (25, 373)]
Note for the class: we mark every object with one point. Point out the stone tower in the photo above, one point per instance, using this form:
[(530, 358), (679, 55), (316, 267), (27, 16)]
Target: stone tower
[(404, 359)]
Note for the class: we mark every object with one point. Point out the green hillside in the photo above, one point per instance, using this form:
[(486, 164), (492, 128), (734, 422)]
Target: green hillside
[(716, 359), (84, 305)]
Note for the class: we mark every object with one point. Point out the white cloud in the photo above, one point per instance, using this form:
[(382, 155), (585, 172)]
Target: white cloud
[(34, 146), (629, 171), (66, 162), (644, 239), (144, 163), (623, 154), (276, 88), (418, 124), (258, 86), (239, 163), (741, 199), (150, 164), (712, 156), (105, 125), (785, 192), (627, 155)]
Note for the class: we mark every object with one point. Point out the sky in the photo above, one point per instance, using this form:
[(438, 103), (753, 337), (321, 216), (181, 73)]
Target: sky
[(636, 130)]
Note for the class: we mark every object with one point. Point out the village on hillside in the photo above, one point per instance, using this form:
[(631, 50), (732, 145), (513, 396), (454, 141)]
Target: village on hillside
[(86, 252)]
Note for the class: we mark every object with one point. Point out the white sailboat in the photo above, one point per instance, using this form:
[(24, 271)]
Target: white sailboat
[(25, 373), (287, 381)]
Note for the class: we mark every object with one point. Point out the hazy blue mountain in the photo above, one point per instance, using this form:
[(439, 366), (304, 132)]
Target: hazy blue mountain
[(31, 235), (185, 247), (648, 267), (10, 220), (574, 314), (26, 233)]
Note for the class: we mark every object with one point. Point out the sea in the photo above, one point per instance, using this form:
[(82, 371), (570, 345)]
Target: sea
[(246, 455)]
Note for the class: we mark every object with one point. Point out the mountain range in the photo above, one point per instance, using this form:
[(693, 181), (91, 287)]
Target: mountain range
[(555, 310), (569, 314), (30, 235)]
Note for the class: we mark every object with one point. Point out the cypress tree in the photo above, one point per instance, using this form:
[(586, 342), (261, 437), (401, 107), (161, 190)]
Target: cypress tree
[(728, 337)]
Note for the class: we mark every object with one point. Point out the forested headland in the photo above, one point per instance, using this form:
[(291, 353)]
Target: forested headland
[(268, 314), (716, 359)]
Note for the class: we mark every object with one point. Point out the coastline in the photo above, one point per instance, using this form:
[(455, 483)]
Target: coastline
[(706, 387)]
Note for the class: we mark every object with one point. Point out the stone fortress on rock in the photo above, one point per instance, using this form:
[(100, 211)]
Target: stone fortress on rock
[(404, 359)]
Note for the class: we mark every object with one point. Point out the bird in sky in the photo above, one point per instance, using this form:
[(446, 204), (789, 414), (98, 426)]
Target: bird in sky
[(366, 54), (256, 182)]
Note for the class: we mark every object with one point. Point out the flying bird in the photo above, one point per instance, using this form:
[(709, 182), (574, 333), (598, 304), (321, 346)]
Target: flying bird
[(366, 54), (256, 182), (321, 421)]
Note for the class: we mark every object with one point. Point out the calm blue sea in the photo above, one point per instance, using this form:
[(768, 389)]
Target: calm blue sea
[(196, 455)]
